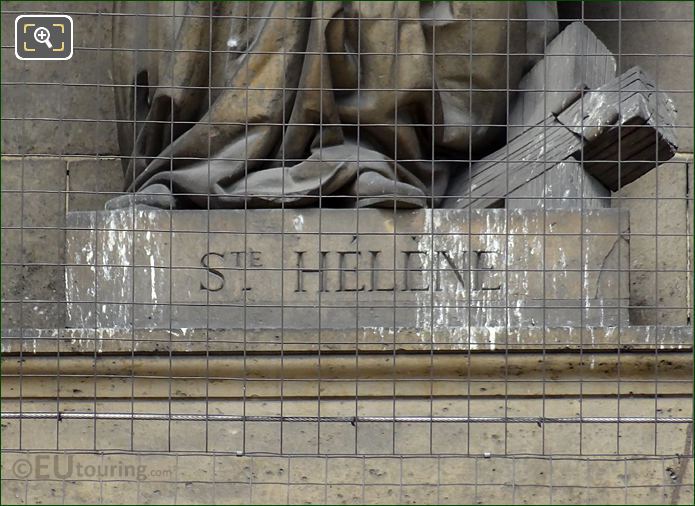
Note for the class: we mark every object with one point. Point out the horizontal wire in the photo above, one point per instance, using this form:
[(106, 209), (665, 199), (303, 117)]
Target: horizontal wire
[(175, 15), (129, 86), (545, 127), (438, 54), (336, 419)]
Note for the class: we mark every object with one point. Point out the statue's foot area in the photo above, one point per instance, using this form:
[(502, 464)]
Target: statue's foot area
[(156, 195)]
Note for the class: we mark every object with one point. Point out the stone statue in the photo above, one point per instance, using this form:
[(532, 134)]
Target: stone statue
[(264, 104)]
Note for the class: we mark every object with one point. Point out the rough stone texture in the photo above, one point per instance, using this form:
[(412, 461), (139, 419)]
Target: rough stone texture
[(33, 242), (663, 48), (72, 121), (574, 472), (364, 438), (660, 244), (302, 376), (619, 132), (565, 186), (620, 151), (575, 60), (368, 462), (189, 340), (491, 271), (61, 112), (92, 182)]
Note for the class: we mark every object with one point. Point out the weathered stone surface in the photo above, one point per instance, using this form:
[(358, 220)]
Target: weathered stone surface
[(658, 36), (575, 60), (34, 198), (93, 181), (203, 340), (455, 443), (660, 244), (618, 132), (628, 128), (33, 242), (307, 375), (409, 269), (447, 457), (157, 196), (564, 186), (78, 117)]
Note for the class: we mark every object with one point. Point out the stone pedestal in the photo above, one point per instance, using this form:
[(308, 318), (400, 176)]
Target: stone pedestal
[(347, 269)]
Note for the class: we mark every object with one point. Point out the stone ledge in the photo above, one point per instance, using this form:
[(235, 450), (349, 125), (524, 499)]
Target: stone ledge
[(348, 375), (482, 339)]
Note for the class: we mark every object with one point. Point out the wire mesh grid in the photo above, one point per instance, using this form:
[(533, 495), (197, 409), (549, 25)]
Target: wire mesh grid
[(349, 252)]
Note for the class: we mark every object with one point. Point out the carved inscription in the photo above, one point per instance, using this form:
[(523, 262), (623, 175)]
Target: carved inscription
[(362, 271)]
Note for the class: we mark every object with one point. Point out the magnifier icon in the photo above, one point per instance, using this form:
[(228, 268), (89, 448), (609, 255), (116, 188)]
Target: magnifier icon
[(43, 36)]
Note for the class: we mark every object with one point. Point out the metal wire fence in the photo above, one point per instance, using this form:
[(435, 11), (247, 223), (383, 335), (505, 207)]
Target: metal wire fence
[(358, 252)]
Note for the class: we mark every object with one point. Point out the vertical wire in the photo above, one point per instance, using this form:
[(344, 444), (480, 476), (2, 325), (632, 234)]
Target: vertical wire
[(211, 20), (476, 459), (325, 478), (439, 479), (550, 477), (469, 236), (138, 489), (400, 479), (620, 162), (249, 480), (321, 40), (430, 216), (176, 478), (214, 474), (583, 276), (585, 302), (363, 467), (507, 238), (514, 485), (61, 158), (282, 240), (246, 380), (101, 465), (357, 223), (626, 479), (289, 473), (394, 23), (358, 135), (664, 489), (544, 163), (94, 343), (131, 207), (657, 316), (23, 267), (171, 228)]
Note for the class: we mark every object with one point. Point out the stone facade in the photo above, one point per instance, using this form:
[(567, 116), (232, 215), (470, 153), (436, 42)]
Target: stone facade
[(223, 479), (84, 86), (60, 156)]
